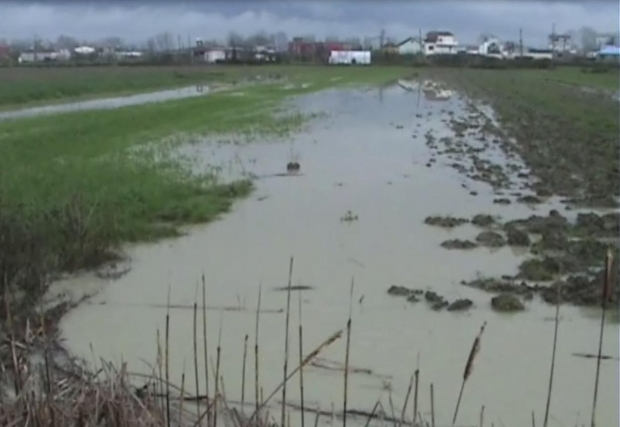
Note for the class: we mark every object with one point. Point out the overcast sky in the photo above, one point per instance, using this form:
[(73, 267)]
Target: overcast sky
[(136, 20)]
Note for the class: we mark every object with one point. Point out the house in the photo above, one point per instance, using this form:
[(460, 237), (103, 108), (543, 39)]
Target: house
[(538, 54), (609, 52), (215, 56), (492, 48), (390, 48), (349, 57), (560, 42), (410, 46), (43, 55), (440, 43)]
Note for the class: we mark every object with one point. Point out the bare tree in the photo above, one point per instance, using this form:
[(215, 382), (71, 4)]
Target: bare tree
[(66, 42), (235, 40), (164, 42), (114, 42), (281, 42), (151, 45), (485, 37)]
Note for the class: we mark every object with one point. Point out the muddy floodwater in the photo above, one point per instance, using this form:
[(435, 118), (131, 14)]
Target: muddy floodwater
[(368, 157), (108, 103)]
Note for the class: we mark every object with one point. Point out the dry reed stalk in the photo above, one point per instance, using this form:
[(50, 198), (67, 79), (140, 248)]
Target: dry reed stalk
[(533, 420), (245, 355), (346, 357), (332, 338), (160, 363), (17, 380), (288, 313), (402, 414), (394, 421), (167, 362), (433, 406), (372, 413), (301, 358), (482, 416), (316, 419), (605, 296), (469, 367), (415, 392), (217, 374), (256, 382), (555, 341), (196, 359), (182, 398), (205, 349)]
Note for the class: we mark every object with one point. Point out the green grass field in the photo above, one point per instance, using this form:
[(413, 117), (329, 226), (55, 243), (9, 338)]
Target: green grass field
[(73, 186), (26, 86)]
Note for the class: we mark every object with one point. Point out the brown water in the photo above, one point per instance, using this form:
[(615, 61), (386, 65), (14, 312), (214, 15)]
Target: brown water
[(358, 159)]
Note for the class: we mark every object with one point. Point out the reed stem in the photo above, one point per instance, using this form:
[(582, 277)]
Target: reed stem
[(288, 313)]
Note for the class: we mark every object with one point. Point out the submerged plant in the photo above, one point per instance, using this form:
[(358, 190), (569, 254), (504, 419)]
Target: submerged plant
[(349, 217)]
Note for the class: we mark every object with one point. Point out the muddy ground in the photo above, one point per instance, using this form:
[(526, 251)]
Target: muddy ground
[(562, 252)]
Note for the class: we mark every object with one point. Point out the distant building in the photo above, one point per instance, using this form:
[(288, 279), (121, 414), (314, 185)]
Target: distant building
[(492, 48), (609, 52), (349, 57), (44, 55), (390, 48), (561, 43), (440, 43), (214, 56), (410, 46)]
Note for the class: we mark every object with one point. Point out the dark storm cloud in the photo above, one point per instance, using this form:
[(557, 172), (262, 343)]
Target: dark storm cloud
[(137, 20)]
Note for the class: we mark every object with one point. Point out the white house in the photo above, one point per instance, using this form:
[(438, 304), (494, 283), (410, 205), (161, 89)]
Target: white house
[(492, 48), (215, 55), (440, 43), (349, 57), (44, 56), (410, 46)]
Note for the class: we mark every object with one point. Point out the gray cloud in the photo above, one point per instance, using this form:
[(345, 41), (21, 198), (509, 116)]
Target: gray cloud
[(136, 20)]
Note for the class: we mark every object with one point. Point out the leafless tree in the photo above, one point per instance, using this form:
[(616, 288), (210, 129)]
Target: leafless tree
[(281, 41), (164, 42), (66, 42), (235, 40)]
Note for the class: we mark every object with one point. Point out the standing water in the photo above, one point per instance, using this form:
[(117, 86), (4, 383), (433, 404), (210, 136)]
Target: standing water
[(370, 158)]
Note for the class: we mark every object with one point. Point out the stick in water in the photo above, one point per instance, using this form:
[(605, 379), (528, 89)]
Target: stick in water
[(301, 358), (245, 355), (196, 360), (605, 296), (257, 397), (288, 313), (433, 406), (346, 361), (205, 347), (555, 340)]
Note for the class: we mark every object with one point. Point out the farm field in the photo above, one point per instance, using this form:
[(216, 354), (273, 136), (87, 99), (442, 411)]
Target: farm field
[(450, 198)]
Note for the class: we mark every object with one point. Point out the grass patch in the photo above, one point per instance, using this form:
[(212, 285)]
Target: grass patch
[(24, 86), (74, 186)]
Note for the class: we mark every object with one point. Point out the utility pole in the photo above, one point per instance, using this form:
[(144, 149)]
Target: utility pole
[(521, 42), (191, 49), (381, 39)]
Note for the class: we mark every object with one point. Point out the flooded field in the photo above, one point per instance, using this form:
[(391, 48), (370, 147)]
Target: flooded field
[(108, 103), (369, 178)]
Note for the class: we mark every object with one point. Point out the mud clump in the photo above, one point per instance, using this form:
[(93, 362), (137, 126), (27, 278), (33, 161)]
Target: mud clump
[(502, 201), (516, 237), (539, 270), (401, 291), (539, 224), (490, 239), (460, 305), (506, 303), (436, 301), (501, 286), (581, 290), (591, 224), (529, 199), (483, 220), (445, 221), (459, 244)]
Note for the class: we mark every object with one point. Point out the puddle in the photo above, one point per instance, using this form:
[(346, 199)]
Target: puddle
[(108, 103), (369, 158)]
